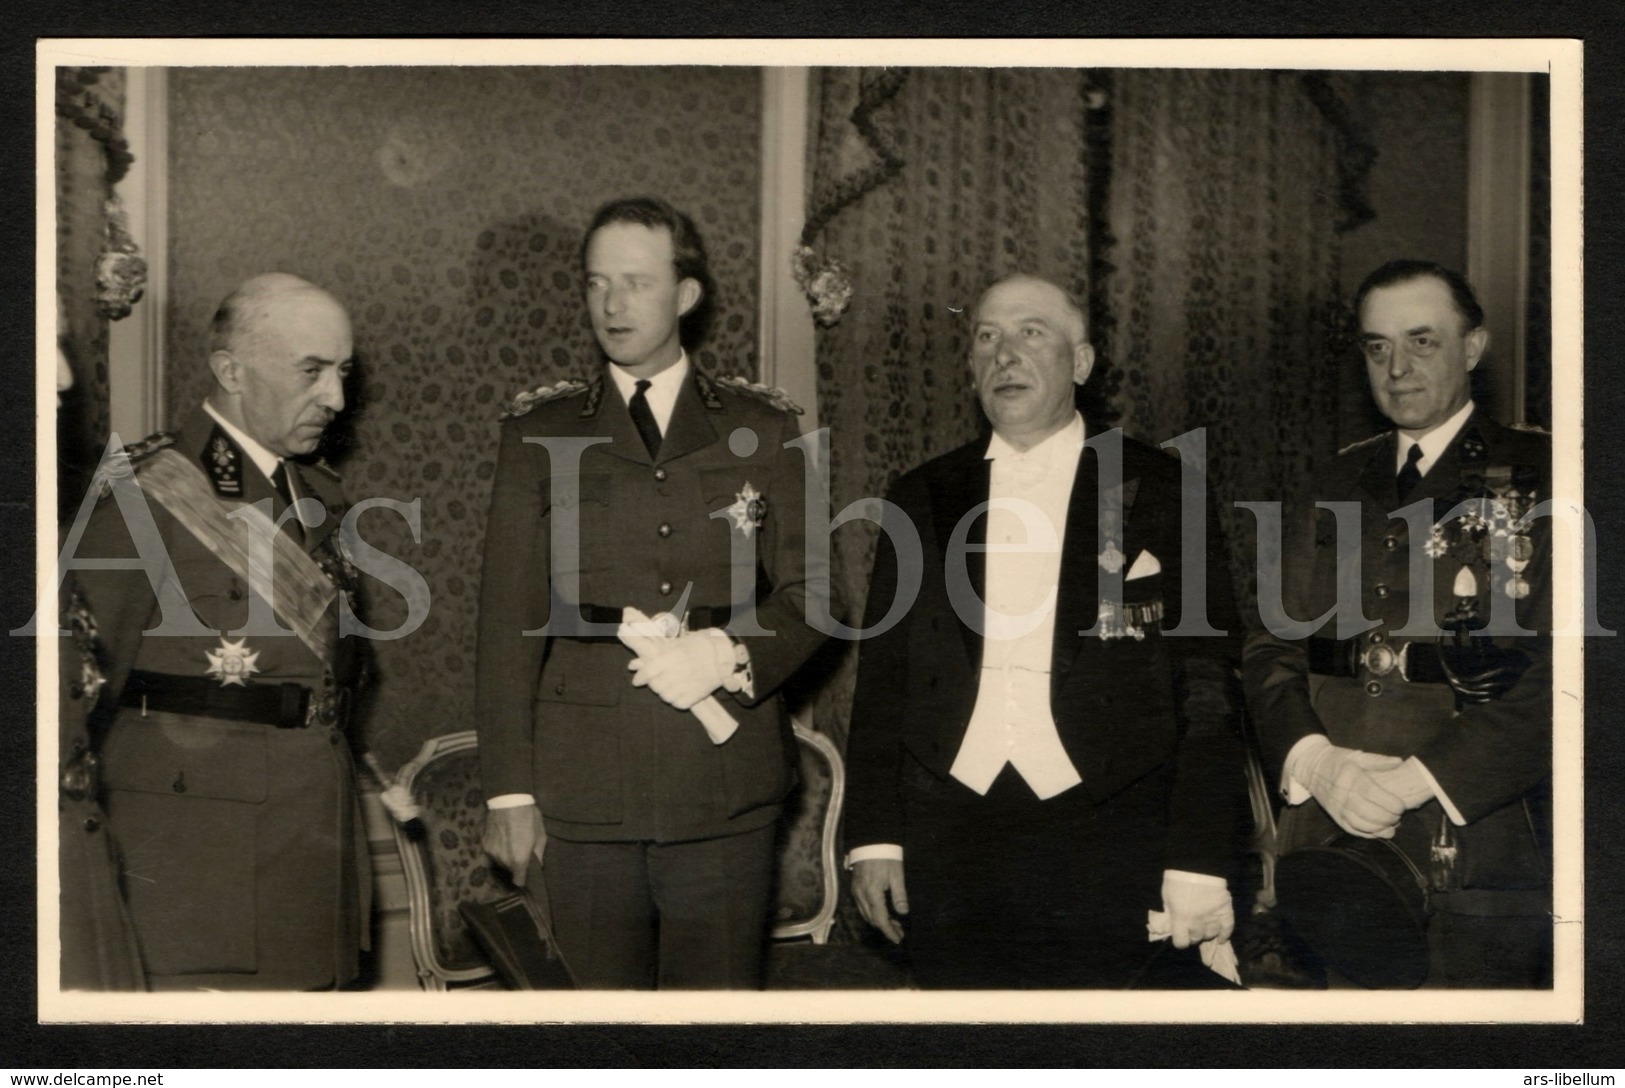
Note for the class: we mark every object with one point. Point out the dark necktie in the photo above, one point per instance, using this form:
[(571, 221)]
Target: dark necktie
[(279, 480), (1409, 475), (644, 419)]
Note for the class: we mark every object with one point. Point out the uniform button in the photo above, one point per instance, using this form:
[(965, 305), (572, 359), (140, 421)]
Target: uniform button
[(558, 689), (665, 589), (332, 736), (660, 475), (234, 594), (1390, 542), (1373, 687), (665, 529), (1381, 591), (1377, 637), (91, 823)]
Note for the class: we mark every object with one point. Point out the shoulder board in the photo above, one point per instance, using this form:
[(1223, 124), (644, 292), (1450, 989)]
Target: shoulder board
[(127, 461), (530, 398), (140, 451), (1362, 443), (778, 398), (1529, 428)]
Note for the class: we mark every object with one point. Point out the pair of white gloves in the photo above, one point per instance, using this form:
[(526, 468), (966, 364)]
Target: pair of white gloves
[(1197, 909), (683, 667), (1364, 792)]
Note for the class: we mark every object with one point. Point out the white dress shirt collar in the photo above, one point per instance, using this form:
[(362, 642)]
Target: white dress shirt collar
[(1064, 443), (663, 388), (1434, 443)]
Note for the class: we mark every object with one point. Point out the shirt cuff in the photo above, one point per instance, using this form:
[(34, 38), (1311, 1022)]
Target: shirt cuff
[(880, 851), (1195, 878), (1292, 788), (735, 678), (510, 800), (1450, 809)]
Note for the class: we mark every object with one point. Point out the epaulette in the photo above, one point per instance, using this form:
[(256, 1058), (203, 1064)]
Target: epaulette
[(140, 451), (123, 463), (530, 398), (778, 398), (1362, 443), (1530, 428)]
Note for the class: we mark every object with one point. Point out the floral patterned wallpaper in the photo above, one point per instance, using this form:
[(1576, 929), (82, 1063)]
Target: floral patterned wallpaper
[(445, 206)]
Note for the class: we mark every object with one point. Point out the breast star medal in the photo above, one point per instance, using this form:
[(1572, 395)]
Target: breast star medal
[(232, 662), (749, 510)]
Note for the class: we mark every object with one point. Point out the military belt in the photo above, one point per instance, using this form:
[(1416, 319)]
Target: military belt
[(1416, 662), (698, 618), (285, 706)]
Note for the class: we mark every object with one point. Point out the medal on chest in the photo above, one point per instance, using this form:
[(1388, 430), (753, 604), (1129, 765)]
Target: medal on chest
[(749, 510), (232, 662)]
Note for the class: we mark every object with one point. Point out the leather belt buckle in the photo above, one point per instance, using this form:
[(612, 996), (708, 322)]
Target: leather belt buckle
[(1383, 658), (323, 710)]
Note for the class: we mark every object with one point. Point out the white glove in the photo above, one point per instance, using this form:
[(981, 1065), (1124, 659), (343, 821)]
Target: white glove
[(681, 670), (1406, 782), (1197, 911), (1344, 781)]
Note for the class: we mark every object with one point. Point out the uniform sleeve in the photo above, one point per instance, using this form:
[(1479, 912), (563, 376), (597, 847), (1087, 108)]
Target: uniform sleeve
[(514, 588), (792, 574), (1275, 671), (122, 600)]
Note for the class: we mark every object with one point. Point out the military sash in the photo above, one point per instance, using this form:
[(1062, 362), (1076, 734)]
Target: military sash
[(283, 574)]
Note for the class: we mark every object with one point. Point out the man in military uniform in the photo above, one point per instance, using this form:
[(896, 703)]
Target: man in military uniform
[(1429, 721), (227, 777), (657, 489)]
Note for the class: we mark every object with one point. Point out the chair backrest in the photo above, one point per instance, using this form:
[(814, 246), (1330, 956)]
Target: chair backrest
[(444, 864), (808, 882), (443, 861)]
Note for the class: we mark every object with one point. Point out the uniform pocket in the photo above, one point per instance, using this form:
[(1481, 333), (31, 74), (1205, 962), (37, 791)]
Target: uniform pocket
[(584, 674), (182, 796), (174, 754)]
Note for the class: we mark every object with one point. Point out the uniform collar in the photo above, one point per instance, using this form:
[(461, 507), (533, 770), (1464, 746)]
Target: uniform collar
[(1434, 443), (263, 459), (663, 388)]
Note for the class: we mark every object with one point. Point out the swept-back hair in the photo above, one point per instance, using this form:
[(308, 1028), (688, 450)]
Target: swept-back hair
[(687, 247), (1406, 270)]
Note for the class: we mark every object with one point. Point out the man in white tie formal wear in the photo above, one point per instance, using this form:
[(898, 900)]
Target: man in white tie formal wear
[(1041, 759)]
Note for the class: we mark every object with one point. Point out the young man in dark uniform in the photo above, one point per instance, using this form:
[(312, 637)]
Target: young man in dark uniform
[(658, 489)]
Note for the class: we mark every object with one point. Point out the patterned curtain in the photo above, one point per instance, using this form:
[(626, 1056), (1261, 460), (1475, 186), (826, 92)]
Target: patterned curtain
[(1228, 192), (926, 185), (91, 156)]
